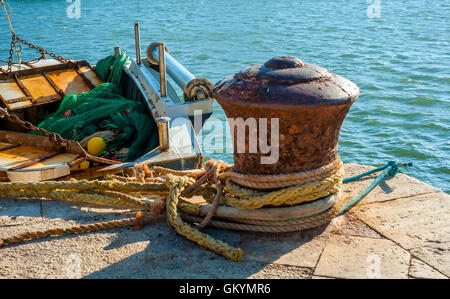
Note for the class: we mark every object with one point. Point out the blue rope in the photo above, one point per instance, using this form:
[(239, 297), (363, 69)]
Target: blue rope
[(390, 168)]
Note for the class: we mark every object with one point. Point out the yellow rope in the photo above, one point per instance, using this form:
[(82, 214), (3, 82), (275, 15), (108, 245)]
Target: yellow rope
[(61, 231), (245, 198), (4, 4), (123, 193), (117, 200), (276, 181), (85, 185), (190, 208), (204, 240)]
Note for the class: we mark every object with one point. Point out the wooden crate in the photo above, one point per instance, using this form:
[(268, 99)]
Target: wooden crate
[(44, 81)]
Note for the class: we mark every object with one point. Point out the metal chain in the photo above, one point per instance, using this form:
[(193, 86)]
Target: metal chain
[(17, 47), (23, 62), (54, 137), (43, 51), (11, 52)]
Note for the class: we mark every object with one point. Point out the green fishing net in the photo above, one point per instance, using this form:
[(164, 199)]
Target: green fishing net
[(105, 109)]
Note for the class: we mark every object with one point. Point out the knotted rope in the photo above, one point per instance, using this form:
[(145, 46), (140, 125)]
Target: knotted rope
[(315, 202), (137, 221), (204, 240)]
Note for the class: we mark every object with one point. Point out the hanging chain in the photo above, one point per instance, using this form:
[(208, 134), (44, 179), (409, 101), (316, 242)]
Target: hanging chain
[(11, 52), (16, 44), (13, 42), (18, 49), (54, 137), (43, 51)]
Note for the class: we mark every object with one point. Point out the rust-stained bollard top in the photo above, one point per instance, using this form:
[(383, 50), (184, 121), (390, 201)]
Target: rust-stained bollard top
[(309, 102)]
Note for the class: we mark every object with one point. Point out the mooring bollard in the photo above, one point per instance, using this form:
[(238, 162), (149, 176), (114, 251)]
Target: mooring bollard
[(308, 102)]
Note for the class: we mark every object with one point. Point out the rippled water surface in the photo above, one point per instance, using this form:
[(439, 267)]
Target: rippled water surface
[(400, 60)]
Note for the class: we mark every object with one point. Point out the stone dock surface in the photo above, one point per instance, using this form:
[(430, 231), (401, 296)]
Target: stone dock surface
[(400, 230)]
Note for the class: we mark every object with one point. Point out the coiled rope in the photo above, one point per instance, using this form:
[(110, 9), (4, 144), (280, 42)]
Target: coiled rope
[(303, 206)]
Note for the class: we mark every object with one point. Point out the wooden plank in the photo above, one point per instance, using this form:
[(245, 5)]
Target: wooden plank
[(57, 160), (10, 91), (32, 162), (54, 167), (20, 105), (2, 143), (18, 155), (7, 147), (45, 167), (16, 67), (56, 88), (69, 81), (37, 175), (45, 62), (24, 163), (22, 87), (44, 82), (91, 75), (13, 101), (44, 68), (86, 80), (39, 88), (41, 142)]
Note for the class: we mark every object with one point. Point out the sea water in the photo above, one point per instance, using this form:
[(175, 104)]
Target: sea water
[(397, 52)]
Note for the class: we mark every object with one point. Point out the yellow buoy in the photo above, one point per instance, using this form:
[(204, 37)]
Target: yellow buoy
[(85, 165), (82, 165), (96, 145)]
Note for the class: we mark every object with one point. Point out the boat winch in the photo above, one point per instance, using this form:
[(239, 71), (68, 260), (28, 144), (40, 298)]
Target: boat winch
[(193, 88)]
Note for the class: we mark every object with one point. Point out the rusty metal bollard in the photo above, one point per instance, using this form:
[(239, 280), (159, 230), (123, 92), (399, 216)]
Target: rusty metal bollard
[(309, 102)]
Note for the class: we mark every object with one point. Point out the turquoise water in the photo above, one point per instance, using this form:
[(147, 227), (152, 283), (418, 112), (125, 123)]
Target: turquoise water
[(400, 60)]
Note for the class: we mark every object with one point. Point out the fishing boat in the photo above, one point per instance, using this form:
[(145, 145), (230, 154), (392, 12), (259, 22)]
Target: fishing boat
[(29, 87)]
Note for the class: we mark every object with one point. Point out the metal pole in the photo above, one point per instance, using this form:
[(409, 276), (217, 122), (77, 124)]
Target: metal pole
[(162, 71), (117, 51), (163, 132), (137, 38), (176, 70)]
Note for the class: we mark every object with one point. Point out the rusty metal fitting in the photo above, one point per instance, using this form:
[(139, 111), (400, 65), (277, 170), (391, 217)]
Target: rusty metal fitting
[(197, 89), (163, 133), (309, 102), (149, 52)]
